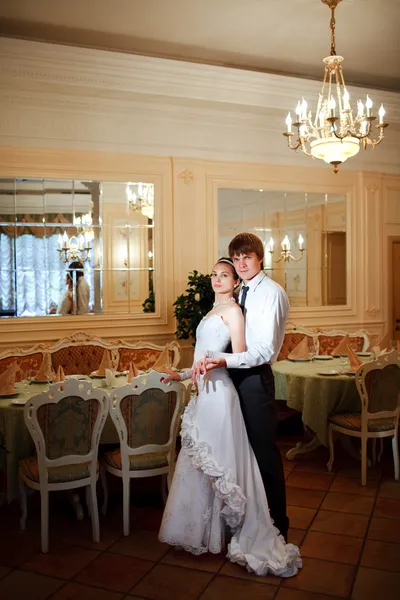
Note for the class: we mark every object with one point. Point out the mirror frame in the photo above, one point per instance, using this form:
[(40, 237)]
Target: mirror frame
[(348, 309)]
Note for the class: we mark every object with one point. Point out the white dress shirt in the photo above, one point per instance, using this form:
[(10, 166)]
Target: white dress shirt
[(266, 312), (83, 296)]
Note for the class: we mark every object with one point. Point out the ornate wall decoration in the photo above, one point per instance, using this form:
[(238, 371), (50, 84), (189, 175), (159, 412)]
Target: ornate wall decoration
[(186, 176)]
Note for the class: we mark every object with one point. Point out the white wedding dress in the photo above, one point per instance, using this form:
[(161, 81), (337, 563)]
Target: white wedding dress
[(217, 487)]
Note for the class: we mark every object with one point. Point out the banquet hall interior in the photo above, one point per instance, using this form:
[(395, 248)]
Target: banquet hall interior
[(137, 139)]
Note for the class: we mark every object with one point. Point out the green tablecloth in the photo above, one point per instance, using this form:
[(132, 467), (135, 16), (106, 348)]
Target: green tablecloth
[(316, 396)]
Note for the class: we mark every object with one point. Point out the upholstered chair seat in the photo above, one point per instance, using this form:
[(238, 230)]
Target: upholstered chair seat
[(353, 421), (30, 468), (139, 462)]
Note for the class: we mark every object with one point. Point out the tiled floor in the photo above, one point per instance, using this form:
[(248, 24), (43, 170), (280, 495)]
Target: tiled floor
[(349, 538)]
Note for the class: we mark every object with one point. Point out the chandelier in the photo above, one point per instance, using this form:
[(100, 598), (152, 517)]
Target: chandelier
[(334, 135), (140, 198), (74, 248)]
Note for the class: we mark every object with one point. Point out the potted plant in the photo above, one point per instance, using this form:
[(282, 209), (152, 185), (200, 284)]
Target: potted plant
[(193, 305)]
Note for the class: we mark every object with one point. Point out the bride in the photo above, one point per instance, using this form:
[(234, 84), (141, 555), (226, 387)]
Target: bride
[(217, 491)]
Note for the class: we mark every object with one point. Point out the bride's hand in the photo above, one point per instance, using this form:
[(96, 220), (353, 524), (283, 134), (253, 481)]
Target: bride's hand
[(199, 368), (171, 376)]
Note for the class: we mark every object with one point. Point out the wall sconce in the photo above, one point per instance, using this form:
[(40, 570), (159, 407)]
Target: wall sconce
[(285, 253)]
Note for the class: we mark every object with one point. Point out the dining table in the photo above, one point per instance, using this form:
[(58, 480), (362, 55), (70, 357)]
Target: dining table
[(316, 388), (15, 440)]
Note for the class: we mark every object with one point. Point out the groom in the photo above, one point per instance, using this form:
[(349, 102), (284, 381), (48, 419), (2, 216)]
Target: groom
[(265, 306)]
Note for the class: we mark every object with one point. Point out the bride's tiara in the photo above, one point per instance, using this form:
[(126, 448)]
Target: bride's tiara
[(228, 261)]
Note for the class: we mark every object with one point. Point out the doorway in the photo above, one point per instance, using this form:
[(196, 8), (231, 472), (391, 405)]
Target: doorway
[(395, 272)]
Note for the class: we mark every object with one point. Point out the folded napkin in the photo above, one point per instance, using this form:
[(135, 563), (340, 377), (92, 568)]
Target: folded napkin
[(60, 375), (354, 360), (384, 344), (301, 350), (111, 380), (7, 379), (133, 372), (105, 364), (45, 372), (163, 362), (341, 348)]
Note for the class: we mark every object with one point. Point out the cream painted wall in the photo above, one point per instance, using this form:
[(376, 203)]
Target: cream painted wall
[(70, 112), (186, 238)]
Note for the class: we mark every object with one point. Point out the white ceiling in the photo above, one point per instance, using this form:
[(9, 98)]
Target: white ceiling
[(281, 36)]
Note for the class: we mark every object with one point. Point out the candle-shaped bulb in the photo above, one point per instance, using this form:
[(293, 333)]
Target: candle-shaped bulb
[(285, 243), (300, 241), (381, 113), (65, 239), (322, 119), (360, 109), (302, 131), (346, 99), (271, 244), (298, 110), (289, 123), (368, 105), (304, 110), (332, 105)]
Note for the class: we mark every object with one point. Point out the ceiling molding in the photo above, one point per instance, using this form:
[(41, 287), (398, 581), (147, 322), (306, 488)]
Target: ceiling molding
[(58, 96)]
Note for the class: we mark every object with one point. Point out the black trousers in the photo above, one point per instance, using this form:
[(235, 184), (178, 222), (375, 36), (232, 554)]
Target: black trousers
[(256, 389)]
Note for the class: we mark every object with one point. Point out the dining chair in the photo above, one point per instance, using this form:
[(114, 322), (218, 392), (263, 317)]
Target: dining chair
[(65, 423), (378, 385), (146, 415)]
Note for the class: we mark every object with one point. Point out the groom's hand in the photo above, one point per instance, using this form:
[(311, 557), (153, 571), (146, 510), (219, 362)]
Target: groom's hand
[(214, 363)]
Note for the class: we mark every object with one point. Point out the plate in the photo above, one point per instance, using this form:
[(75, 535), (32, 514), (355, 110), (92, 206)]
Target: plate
[(299, 359), (95, 376), (41, 381), (348, 372), (20, 401), (367, 354), (12, 395), (323, 357), (329, 372)]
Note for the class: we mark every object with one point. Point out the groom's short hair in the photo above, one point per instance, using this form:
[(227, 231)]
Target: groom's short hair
[(244, 243)]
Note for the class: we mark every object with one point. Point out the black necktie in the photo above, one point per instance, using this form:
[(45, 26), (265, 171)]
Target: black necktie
[(245, 289)]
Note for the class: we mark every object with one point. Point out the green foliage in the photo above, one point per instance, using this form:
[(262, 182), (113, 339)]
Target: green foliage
[(149, 305), (193, 305)]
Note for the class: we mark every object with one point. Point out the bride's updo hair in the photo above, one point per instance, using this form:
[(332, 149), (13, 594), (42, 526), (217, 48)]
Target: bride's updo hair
[(229, 262)]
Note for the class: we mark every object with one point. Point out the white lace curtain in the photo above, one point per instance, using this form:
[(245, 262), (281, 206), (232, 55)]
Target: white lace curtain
[(32, 277)]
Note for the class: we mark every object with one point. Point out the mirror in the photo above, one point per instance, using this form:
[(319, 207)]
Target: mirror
[(304, 236), (76, 247)]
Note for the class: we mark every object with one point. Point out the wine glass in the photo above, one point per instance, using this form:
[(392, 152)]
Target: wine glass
[(311, 352)]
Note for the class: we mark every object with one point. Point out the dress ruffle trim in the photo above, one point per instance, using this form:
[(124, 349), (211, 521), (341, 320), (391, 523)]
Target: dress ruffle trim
[(231, 494), (285, 565)]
